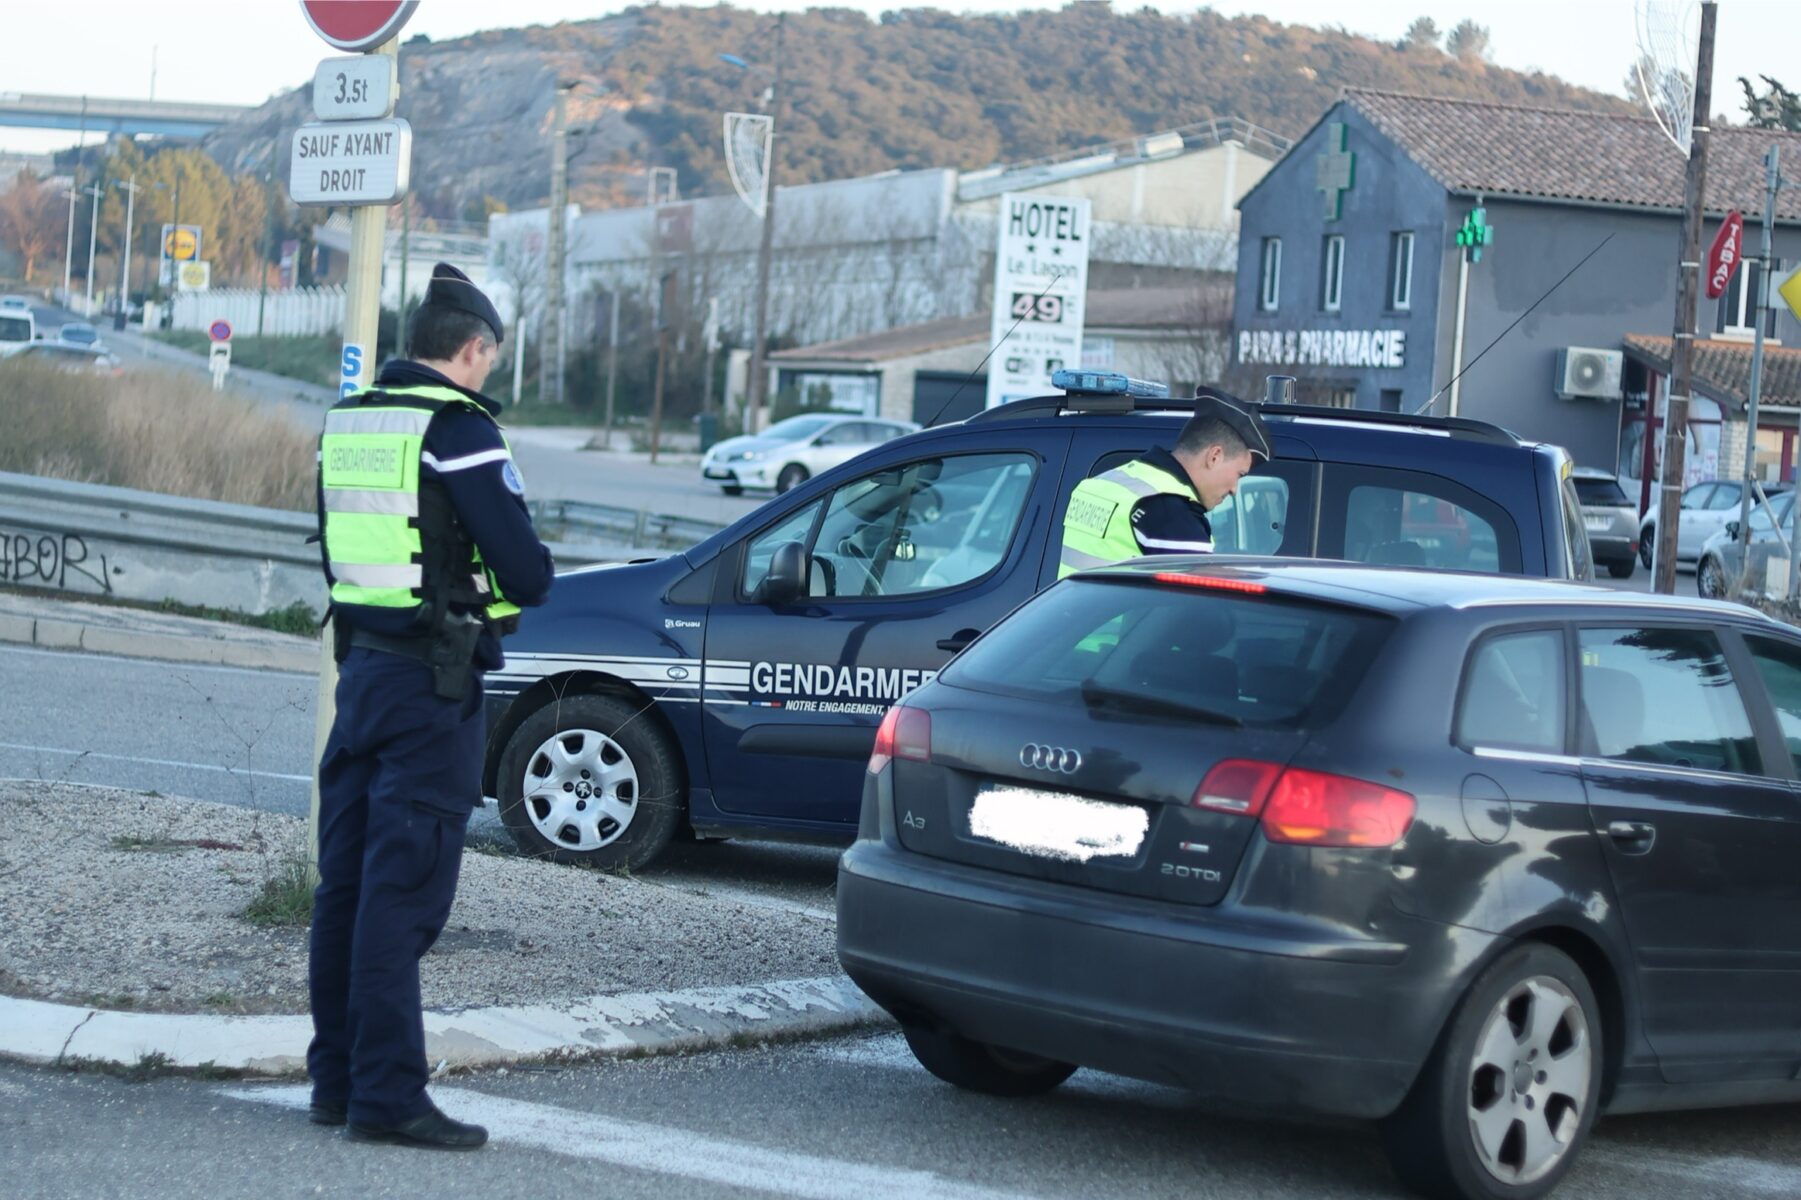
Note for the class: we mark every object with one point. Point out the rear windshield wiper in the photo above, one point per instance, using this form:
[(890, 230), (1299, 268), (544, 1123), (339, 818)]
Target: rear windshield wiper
[(1096, 695)]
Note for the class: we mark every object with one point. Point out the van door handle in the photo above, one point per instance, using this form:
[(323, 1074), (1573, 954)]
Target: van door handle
[(1633, 837), (959, 639)]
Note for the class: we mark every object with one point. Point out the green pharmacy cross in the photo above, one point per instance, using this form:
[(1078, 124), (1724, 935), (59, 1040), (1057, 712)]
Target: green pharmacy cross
[(1335, 170), (1475, 233)]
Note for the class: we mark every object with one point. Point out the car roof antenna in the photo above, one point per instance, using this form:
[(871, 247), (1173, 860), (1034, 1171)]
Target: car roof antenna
[(970, 378), (1447, 387)]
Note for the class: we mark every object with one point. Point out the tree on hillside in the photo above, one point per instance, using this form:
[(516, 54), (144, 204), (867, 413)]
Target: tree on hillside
[(1421, 34), (1468, 41), (32, 221), (1777, 108)]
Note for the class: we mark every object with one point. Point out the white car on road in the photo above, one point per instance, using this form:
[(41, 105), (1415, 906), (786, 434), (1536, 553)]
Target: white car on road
[(792, 451)]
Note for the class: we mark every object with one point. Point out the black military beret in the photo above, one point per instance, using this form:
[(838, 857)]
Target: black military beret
[(450, 288), (1211, 403)]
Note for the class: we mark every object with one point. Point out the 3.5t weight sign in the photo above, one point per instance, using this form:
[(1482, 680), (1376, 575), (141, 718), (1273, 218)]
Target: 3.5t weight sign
[(359, 88)]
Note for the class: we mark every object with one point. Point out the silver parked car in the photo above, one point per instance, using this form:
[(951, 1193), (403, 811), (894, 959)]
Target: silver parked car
[(791, 452), (1611, 518), (1706, 507), (1722, 558)]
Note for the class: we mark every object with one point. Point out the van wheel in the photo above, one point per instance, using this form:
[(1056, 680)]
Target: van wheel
[(1503, 1105), (979, 1067), (593, 780), (1621, 568), (792, 476)]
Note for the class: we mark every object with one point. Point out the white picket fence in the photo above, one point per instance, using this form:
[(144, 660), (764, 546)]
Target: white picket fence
[(290, 312)]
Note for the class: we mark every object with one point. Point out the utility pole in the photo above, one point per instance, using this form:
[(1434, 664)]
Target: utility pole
[(1688, 277), (406, 255), (550, 353), (262, 296), (98, 193), (1772, 182), (758, 384), (612, 363), (131, 197), (69, 243), (665, 317)]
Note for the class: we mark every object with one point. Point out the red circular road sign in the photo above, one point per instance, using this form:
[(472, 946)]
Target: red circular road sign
[(219, 331), (357, 25)]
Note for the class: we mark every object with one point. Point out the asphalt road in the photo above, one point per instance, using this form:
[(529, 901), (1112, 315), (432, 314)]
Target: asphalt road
[(245, 738), (845, 1119)]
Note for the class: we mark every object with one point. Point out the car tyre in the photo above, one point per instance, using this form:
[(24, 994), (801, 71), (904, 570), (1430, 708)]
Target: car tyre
[(979, 1067), (732, 489), (1646, 538), (1621, 568), (792, 476), (606, 783), (1710, 579), (1502, 1107)]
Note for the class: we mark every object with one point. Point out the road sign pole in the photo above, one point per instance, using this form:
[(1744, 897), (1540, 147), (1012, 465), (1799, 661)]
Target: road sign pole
[(356, 369)]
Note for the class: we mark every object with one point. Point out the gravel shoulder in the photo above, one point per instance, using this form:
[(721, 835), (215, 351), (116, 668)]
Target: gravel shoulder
[(128, 900)]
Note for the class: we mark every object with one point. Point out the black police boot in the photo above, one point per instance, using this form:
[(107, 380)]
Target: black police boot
[(431, 1130), (323, 1112)]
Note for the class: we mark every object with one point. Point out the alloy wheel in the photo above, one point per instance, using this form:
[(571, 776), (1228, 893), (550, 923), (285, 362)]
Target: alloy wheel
[(1710, 579), (1529, 1080), (580, 789)]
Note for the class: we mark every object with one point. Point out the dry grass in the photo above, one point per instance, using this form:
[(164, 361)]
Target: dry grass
[(154, 431)]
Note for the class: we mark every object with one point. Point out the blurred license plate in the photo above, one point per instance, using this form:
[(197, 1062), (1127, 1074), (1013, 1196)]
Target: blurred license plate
[(1597, 524), (1056, 825)]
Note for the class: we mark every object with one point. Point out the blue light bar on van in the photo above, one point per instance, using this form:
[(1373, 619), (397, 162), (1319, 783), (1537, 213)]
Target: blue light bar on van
[(1107, 383)]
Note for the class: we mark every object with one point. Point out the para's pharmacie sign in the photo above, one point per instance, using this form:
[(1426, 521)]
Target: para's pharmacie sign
[(351, 162), (1381, 348), (1040, 292)]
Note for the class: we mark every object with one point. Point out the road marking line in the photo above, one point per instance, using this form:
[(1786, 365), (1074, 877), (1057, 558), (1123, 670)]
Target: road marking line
[(664, 1150), (154, 762), (152, 663)]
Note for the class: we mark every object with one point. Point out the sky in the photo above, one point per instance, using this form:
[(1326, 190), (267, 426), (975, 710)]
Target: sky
[(244, 51)]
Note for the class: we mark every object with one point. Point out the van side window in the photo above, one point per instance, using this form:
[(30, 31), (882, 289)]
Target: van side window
[(1414, 519), (762, 548), (1663, 696), (1513, 694)]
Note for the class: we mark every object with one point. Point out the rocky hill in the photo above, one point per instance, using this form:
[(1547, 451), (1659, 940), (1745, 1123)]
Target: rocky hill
[(914, 88)]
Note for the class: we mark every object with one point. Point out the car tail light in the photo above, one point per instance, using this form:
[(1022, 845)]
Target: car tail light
[(1308, 808), (1216, 582), (904, 733)]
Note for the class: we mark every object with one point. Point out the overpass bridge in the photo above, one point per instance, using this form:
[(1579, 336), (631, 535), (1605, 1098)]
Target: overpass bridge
[(167, 118)]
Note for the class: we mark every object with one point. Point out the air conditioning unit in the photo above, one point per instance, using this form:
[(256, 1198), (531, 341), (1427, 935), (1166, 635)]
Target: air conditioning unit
[(1586, 373)]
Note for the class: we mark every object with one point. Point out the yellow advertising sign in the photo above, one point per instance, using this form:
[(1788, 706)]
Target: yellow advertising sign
[(1790, 291), (182, 243)]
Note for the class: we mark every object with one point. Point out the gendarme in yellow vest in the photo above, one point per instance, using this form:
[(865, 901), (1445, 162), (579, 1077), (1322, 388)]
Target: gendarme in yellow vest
[(373, 521), (1097, 525)]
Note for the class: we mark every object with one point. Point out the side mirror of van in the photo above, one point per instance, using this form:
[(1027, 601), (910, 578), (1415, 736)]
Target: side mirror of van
[(786, 581)]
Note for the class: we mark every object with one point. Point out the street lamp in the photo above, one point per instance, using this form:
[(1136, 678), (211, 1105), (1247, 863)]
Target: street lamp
[(773, 97), (98, 194), (131, 196)]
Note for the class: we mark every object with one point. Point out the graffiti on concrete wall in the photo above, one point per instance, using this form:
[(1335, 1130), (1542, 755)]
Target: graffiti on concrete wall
[(55, 560)]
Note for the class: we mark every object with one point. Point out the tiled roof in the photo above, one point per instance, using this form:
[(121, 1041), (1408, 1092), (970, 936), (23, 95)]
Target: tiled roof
[(1120, 308), (1603, 158), (1722, 369)]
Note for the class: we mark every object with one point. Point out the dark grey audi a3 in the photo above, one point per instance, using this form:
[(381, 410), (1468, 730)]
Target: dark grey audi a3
[(1479, 858)]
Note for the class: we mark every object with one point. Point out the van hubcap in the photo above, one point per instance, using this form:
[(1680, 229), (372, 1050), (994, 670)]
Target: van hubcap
[(1529, 1080), (580, 789)]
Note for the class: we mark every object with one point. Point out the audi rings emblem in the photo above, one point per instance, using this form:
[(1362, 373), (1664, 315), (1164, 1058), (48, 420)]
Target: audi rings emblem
[(1050, 758)]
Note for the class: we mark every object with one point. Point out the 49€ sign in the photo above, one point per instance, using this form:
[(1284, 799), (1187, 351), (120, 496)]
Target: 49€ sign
[(1040, 291)]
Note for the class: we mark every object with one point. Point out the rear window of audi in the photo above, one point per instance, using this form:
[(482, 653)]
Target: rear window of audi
[(1177, 650)]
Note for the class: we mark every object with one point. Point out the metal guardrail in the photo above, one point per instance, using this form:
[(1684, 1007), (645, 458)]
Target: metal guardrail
[(87, 540), (609, 524)]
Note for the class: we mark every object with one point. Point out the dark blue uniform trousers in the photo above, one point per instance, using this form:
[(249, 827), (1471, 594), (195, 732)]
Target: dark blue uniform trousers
[(400, 776)]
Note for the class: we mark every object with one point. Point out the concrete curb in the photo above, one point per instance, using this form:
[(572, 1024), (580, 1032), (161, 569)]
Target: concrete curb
[(55, 634), (598, 1026)]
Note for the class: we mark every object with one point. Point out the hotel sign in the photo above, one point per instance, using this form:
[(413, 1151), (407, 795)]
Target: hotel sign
[(1380, 348)]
